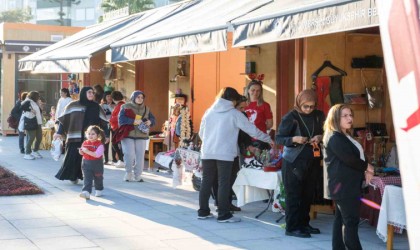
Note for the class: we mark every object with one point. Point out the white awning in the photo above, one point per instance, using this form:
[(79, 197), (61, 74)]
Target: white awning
[(198, 29), (291, 19), (72, 55)]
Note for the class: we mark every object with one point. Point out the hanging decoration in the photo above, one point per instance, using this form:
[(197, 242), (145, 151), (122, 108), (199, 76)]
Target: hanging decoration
[(185, 127)]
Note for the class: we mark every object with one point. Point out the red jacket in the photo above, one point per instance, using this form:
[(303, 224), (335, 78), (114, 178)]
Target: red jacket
[(113, 121), (91, 146), (123, 131)]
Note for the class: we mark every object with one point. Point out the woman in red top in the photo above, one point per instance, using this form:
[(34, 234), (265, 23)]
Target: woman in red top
[(118, 99), (257, 110)]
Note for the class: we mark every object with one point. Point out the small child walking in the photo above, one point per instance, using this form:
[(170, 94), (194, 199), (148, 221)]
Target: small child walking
[(92, 151)]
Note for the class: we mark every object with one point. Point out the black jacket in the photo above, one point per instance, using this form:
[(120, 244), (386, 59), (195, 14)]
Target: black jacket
[(344, 166), (289, 127)]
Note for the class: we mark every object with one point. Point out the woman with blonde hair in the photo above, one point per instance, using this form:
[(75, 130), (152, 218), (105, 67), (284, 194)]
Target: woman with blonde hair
[(347, 167), (257, 110)]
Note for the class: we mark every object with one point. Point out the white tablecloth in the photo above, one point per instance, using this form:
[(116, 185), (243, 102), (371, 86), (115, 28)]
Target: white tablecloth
[(190, 158), (252, 185), (392, 211)]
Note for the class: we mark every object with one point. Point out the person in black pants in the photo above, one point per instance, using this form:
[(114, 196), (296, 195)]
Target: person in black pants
[(17, 113), (299, 131), (219, 131), (244, 141), (347, 167)]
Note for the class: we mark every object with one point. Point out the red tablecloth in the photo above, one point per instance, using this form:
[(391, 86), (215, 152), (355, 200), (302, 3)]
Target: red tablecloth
[(376, 191), (381, 182)]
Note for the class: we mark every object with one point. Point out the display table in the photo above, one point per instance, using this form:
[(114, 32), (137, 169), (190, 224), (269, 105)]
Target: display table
[(190, 158), (376, 190), (252, 185), (392, 214), (150, 146), (47, 135)]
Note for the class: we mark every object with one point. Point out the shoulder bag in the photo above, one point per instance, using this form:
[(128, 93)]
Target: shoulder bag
[(30, 123)]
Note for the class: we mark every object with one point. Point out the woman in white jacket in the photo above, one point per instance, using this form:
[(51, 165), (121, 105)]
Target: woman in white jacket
[(219, 131), (62, 102), (30, 110)]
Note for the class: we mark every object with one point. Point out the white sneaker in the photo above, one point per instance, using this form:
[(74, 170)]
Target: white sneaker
[(98, 193), (29, 157), (205, 217), (85, 194), (119, 164), (36, 154), (138, 179), (128, 177), (230, 220)]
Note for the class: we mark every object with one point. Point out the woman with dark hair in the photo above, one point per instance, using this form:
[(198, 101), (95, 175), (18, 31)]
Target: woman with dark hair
[(118, 99), (300, 131), (31, 110), (108, 106), (62, 102), (99, 93), (17, 113), (219, 131), (77, 117), (347, 167), (132, 115)]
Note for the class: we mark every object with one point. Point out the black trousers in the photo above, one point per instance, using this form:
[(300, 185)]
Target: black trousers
[(299, 178), (346, 225), (113, 151), (211, 169), (233, 175)]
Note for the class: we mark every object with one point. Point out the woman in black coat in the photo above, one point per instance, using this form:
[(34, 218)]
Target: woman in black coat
[(300, 131), (76, 118), (347, 167)]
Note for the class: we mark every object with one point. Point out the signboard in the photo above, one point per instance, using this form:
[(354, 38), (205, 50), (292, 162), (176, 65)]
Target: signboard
[(24, 46), (116, 14)]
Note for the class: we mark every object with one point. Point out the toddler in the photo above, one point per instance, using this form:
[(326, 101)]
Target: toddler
[(92, 151)]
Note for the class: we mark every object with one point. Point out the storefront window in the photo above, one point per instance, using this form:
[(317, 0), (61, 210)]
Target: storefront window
[(48, 85)]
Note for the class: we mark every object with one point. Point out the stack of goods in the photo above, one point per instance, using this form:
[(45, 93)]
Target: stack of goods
[(267, 160)]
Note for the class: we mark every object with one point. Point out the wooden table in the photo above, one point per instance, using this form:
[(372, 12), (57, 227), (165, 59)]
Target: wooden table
[(152, 154), (47, 134)]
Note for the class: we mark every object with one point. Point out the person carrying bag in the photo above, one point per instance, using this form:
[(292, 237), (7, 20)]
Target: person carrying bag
[(32, 121)]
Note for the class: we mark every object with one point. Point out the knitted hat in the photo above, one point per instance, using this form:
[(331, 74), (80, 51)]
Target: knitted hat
[(135, 94)]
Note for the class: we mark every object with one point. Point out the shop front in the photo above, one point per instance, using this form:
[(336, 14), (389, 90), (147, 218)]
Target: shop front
[(18, 41), (335, 48)]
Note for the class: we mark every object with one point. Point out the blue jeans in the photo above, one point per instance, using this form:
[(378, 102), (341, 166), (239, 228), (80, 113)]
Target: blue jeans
[(21, 141)]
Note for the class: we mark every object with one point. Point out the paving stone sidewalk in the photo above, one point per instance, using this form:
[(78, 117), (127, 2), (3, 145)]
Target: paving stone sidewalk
[(149, 215)]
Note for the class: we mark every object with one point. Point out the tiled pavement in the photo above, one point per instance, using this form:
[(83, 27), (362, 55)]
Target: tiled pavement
[(149, 215)]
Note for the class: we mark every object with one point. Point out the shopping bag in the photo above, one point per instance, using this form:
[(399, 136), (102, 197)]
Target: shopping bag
[(56, 148)]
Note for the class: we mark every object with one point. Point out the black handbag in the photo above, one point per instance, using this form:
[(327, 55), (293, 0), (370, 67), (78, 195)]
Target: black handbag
[(30, 123)]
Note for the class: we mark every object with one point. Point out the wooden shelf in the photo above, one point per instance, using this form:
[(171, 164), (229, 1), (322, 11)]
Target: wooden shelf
[(376, 137), (369, 69)]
